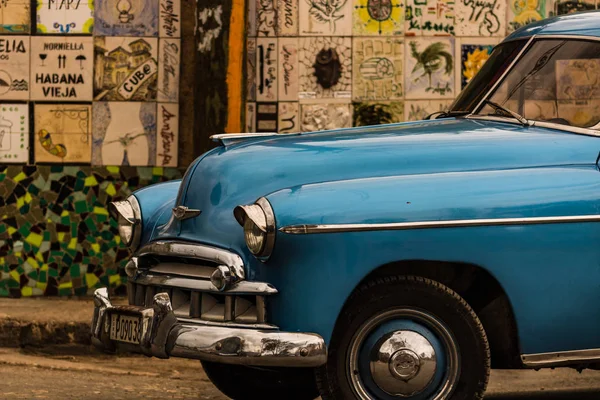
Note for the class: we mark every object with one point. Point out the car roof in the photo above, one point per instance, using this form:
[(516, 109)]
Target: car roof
[(577, 24)]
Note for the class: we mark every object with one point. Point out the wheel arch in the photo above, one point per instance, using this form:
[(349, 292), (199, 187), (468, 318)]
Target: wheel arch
[(480, 290)]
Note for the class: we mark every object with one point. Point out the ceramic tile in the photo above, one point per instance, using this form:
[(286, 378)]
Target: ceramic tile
[(251, 18), (169, 58), (325, 68), (288, 69), (288, 117), (61, 68), (562, 7), (266, 69), (325, 17), (14, 133), (124, 133), (378, 68), (14, 67), (125, 69), (250, 117), (65, 16), (520, 13), (251, 69), (266, 117), (429, 17), (429, 80), (378, 17), (577, 79), (266, 17), (322, 116), (480, 18), (473, 52), (15, 16), (63, 133), (169, 18), (377, 113), (417, 110), (287, 17), (126, 17), (167, 134)]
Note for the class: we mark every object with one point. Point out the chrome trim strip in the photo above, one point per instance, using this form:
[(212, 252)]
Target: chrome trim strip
[(228, 138), (196, 250), (560, 358), (399, 226), (163, 336), (242, 287), (191, 321)]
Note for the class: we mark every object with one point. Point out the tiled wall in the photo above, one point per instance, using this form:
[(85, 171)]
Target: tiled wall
[(324, 64), (56, 237), (89, 82), (89, 112)]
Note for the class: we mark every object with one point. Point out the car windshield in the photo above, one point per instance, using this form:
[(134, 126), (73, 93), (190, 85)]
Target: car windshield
[(500, 59), (555, 81)]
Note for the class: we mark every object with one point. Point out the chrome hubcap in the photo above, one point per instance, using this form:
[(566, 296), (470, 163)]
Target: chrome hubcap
[(403, 353)]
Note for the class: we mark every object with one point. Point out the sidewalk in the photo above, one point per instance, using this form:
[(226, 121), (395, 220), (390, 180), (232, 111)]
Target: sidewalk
[(45, 321)]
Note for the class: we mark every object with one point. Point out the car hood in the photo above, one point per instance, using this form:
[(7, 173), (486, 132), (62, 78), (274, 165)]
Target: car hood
[(241, 173)]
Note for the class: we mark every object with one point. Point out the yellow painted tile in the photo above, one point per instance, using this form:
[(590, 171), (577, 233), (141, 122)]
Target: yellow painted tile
[(113, 279), (91, 181), (66, 285), (91, 280), (20, 177), (73, 244), (26, 291), (113, 170), (96, 247), (110, 189), (15, 275), (101, 211), (34, 239)]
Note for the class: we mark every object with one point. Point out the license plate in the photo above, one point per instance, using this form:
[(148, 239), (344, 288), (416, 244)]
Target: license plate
[(125, 328)]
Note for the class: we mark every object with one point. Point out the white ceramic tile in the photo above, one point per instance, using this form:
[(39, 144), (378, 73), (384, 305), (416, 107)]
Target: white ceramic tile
[(266, 69), (266, 17), (250, 117), (429, 82), (266, 117), (125, 69), (126, 17), (429, 18), (251, 69), (288, 69), (63, 133), (335, 60), (480, 18), (65, 16), (14, 133), (14, 67), (61, 68), (15, 16), (378, 68), (169, 59), (251, 18), (325, 17), (124, 133), (378, 18), (519, 13), (287, 17), (322, 116), (377, 113), (288, 117), (169, 18), (167, 134)]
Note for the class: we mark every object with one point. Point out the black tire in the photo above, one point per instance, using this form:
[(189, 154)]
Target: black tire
[(399, 292), (249, 383)]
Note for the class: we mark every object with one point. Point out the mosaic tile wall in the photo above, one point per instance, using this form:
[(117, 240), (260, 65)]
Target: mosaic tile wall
[(90, 82), (56, 237), (324, 64)]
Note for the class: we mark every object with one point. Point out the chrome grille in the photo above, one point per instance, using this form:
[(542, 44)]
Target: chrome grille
[(214, 307)]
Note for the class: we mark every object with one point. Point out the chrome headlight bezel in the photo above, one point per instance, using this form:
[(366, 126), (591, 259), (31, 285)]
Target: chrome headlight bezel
[(261, 218), (128, 215)]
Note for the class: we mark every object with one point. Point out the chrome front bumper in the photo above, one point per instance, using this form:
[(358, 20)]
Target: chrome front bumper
[(163, 336)]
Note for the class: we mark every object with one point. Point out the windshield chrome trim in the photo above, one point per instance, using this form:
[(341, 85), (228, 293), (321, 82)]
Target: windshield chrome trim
[(538, 124), (305, 229)]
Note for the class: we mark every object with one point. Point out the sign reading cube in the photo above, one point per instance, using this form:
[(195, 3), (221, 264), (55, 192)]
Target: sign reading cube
[(61, 68)]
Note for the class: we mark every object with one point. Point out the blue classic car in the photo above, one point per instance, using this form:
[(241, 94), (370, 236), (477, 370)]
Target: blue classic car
[(403, 260)]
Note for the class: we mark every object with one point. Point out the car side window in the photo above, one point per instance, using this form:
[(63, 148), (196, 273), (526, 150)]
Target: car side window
[(556, 81)]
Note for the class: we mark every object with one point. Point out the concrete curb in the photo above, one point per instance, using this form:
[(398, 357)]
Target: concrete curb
[(20, 333)]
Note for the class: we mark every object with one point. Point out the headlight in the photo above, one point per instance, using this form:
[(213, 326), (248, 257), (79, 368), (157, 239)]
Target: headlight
[(129, 217), (258, 221)]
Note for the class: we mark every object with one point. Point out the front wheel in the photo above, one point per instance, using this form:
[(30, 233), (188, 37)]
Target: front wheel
[(406, 337), (254, 383)]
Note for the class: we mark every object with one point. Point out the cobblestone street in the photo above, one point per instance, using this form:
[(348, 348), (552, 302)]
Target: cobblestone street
[(80, 373)]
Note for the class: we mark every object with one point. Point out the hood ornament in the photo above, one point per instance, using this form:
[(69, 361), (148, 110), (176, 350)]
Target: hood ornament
[(182, 212)]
